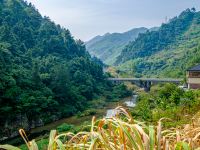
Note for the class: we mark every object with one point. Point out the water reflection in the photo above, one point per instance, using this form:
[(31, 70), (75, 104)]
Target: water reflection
[(111, 113), (130, 103)]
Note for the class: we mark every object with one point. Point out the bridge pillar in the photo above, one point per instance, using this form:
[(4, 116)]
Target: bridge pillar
[(116, 82), (147, 86)]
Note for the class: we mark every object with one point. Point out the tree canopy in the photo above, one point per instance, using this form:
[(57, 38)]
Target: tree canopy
[(44, 71)]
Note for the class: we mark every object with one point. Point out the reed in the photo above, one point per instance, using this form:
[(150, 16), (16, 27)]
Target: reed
[(122, 132)]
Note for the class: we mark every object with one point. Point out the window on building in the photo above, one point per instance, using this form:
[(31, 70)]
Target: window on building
[(194, 74)]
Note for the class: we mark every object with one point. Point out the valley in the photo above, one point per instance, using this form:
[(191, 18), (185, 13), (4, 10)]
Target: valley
[(166, 52), (105, 109), (138, 89), (109, 46)]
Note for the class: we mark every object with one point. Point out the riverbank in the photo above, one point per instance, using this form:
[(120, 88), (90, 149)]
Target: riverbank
[(75, 120), (43, 131)]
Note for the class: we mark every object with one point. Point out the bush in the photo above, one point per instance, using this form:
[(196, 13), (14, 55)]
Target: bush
[(167, 101), (88, 112), (65, 127), (123, 132)]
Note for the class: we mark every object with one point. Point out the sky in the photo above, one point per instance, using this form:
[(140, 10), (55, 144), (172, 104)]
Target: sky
[(88, 18)]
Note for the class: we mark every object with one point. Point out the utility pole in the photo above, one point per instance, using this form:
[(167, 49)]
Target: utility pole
[(166, 19)]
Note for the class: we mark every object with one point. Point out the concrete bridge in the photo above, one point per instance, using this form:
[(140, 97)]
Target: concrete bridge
[(145, 82)]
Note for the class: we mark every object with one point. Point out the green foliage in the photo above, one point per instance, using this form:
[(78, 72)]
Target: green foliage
[(44, 73), (143, 108), (42, 144), (151, 42), (88, 112), (119, 91), (109, 46), (121, 131), (167, 101), (65, 127), (168, 52)]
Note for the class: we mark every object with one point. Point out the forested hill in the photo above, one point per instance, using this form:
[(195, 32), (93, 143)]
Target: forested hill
[(44, 73), (109, 46), (166, 52)]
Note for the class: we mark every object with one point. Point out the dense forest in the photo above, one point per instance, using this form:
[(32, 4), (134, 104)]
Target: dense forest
[(175, 46), (45, 74), (167, 101)]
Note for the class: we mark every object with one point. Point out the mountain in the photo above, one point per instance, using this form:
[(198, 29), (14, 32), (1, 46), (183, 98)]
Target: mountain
[(109, 46), (45, 74), (168, 52)]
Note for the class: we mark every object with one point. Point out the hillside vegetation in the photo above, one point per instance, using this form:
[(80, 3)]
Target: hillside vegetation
[(167, 52), (121, 132), (45, 74), (109, 46)]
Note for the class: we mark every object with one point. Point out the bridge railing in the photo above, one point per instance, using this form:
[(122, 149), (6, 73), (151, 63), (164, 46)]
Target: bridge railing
[(147, 79)]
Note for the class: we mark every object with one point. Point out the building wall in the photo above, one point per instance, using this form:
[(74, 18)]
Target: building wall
[(194, 74), (194, 80), (194, 83), (194, 86)]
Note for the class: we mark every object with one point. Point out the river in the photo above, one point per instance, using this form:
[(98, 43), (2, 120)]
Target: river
[(129, 103), (108, 111)]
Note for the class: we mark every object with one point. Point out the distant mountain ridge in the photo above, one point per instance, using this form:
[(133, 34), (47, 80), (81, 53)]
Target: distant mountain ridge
[(168, 52), (109, 46)]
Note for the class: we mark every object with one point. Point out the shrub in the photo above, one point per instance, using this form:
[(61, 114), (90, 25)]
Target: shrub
[(88, 112), (64, 127), (122, 132)]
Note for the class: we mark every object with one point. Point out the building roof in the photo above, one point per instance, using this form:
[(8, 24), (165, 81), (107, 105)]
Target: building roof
[(195, 68)]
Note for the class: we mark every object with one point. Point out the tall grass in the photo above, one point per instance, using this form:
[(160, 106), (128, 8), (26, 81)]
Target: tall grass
[(122, 132)]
